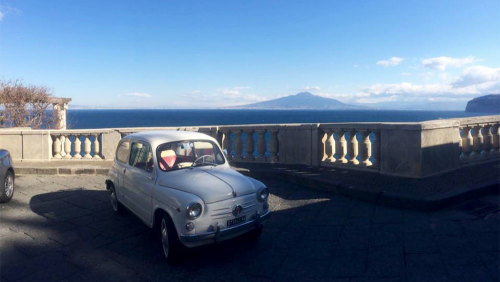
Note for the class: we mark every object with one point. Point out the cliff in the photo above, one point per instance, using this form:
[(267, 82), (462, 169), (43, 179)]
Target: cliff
[(484, 104)]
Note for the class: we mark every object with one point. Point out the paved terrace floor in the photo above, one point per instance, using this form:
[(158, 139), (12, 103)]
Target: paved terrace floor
[(62, 228)]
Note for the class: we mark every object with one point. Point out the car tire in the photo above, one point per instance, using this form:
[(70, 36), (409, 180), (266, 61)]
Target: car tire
[(113, 198), (7, 188), (170, 244)]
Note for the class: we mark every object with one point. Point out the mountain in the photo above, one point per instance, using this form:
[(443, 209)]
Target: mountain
[(484, 104), (301, 101)]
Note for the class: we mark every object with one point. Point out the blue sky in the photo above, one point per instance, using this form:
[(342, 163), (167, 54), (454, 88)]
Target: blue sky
[(195, 54)]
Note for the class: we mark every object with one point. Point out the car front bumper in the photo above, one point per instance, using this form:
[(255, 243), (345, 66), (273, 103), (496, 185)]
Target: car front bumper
[(220, 235)]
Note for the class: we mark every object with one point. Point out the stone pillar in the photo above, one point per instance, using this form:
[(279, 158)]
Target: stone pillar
[(353, 147), (60, 105)]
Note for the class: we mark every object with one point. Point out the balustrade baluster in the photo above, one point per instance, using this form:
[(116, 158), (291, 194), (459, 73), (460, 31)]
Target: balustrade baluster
[(341, 147), (273, 146), (77, 147), (86, 147), (376, 149), (226, 143), (477, 140), (67, 147), (261, 145), (56, 147), (238, 146), (487, 140), (249, 145), (496, 139), (466, 143), (365, 148), (330, 147), (353, 147), (97, 147)]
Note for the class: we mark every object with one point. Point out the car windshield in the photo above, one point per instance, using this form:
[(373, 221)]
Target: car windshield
[(190, 153)]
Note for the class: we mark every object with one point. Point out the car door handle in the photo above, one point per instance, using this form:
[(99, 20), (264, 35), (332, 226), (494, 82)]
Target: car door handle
[(150, 177)]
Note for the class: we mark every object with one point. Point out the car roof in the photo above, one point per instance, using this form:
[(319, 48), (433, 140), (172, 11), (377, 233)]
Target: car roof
[(162, 136)]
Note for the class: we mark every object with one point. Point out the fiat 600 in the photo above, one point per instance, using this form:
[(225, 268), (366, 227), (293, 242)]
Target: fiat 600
[(180, 184)]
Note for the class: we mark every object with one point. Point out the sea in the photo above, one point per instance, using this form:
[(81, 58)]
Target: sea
[(85, 119)]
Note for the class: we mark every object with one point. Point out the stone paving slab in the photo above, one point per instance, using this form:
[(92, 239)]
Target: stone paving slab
[(61, 228)]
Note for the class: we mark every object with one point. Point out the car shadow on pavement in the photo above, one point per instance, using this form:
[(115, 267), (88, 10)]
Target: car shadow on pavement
[(74, 234)]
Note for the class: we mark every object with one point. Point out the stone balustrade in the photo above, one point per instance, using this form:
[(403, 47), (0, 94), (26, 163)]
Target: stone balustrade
[(479, 139), (349, 145), (417, 149)]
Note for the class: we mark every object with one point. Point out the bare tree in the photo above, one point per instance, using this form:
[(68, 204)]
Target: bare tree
[(24, 105)]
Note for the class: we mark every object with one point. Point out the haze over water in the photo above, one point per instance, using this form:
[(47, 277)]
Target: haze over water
[(85, 119)]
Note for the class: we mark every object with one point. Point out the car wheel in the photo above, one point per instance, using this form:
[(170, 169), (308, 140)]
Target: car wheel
[(170, 244), (7, 189), (113, 198)]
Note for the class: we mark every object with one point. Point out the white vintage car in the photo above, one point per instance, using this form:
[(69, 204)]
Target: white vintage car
[(181, 184)]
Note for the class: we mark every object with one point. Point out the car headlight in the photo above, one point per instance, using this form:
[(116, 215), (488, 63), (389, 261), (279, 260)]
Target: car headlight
[(263, 194), (194, 210)]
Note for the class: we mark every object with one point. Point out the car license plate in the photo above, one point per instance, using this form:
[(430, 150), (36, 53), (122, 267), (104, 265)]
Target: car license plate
[(235, 221)]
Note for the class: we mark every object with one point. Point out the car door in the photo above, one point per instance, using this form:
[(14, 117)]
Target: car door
[(139, 179)]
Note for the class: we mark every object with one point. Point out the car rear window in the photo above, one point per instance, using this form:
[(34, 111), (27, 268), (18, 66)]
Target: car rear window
[(122, 152)]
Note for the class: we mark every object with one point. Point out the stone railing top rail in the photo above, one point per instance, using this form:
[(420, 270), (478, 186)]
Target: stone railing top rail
[(479, 120), (432, 124)]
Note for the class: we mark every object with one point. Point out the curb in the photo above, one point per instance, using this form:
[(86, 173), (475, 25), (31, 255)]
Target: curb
[(61, 171)]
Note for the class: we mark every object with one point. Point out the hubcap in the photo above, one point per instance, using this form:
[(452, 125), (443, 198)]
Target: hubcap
[(114, 201), (164, 237), (9, 185)]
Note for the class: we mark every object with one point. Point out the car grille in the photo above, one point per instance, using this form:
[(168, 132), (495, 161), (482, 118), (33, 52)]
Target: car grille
[(224, 210)]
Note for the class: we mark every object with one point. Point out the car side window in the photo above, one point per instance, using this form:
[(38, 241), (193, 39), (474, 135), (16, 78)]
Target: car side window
[(141, 156), (122, 152)]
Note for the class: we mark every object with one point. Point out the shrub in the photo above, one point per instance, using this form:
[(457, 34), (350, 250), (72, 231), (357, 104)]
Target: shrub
[(24, 105)]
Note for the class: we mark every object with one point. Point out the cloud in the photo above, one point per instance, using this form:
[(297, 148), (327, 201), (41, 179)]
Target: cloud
[(441, 63), (138, 94), (473, 81), (478, 75), (312, 88), (392, 62), (1, 15)]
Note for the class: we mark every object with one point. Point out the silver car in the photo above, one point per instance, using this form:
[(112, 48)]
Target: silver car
[(7, 175), (181, 184)]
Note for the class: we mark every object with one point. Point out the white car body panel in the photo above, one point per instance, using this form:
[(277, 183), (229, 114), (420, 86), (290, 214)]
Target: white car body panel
[(217, 188)]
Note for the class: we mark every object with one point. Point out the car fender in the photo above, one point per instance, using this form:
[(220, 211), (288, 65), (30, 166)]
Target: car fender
[(174, 202)]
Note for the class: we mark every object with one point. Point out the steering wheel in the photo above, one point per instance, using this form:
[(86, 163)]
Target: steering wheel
[(202, 158)]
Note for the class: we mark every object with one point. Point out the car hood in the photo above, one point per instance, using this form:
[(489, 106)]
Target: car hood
[(211, 184)]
